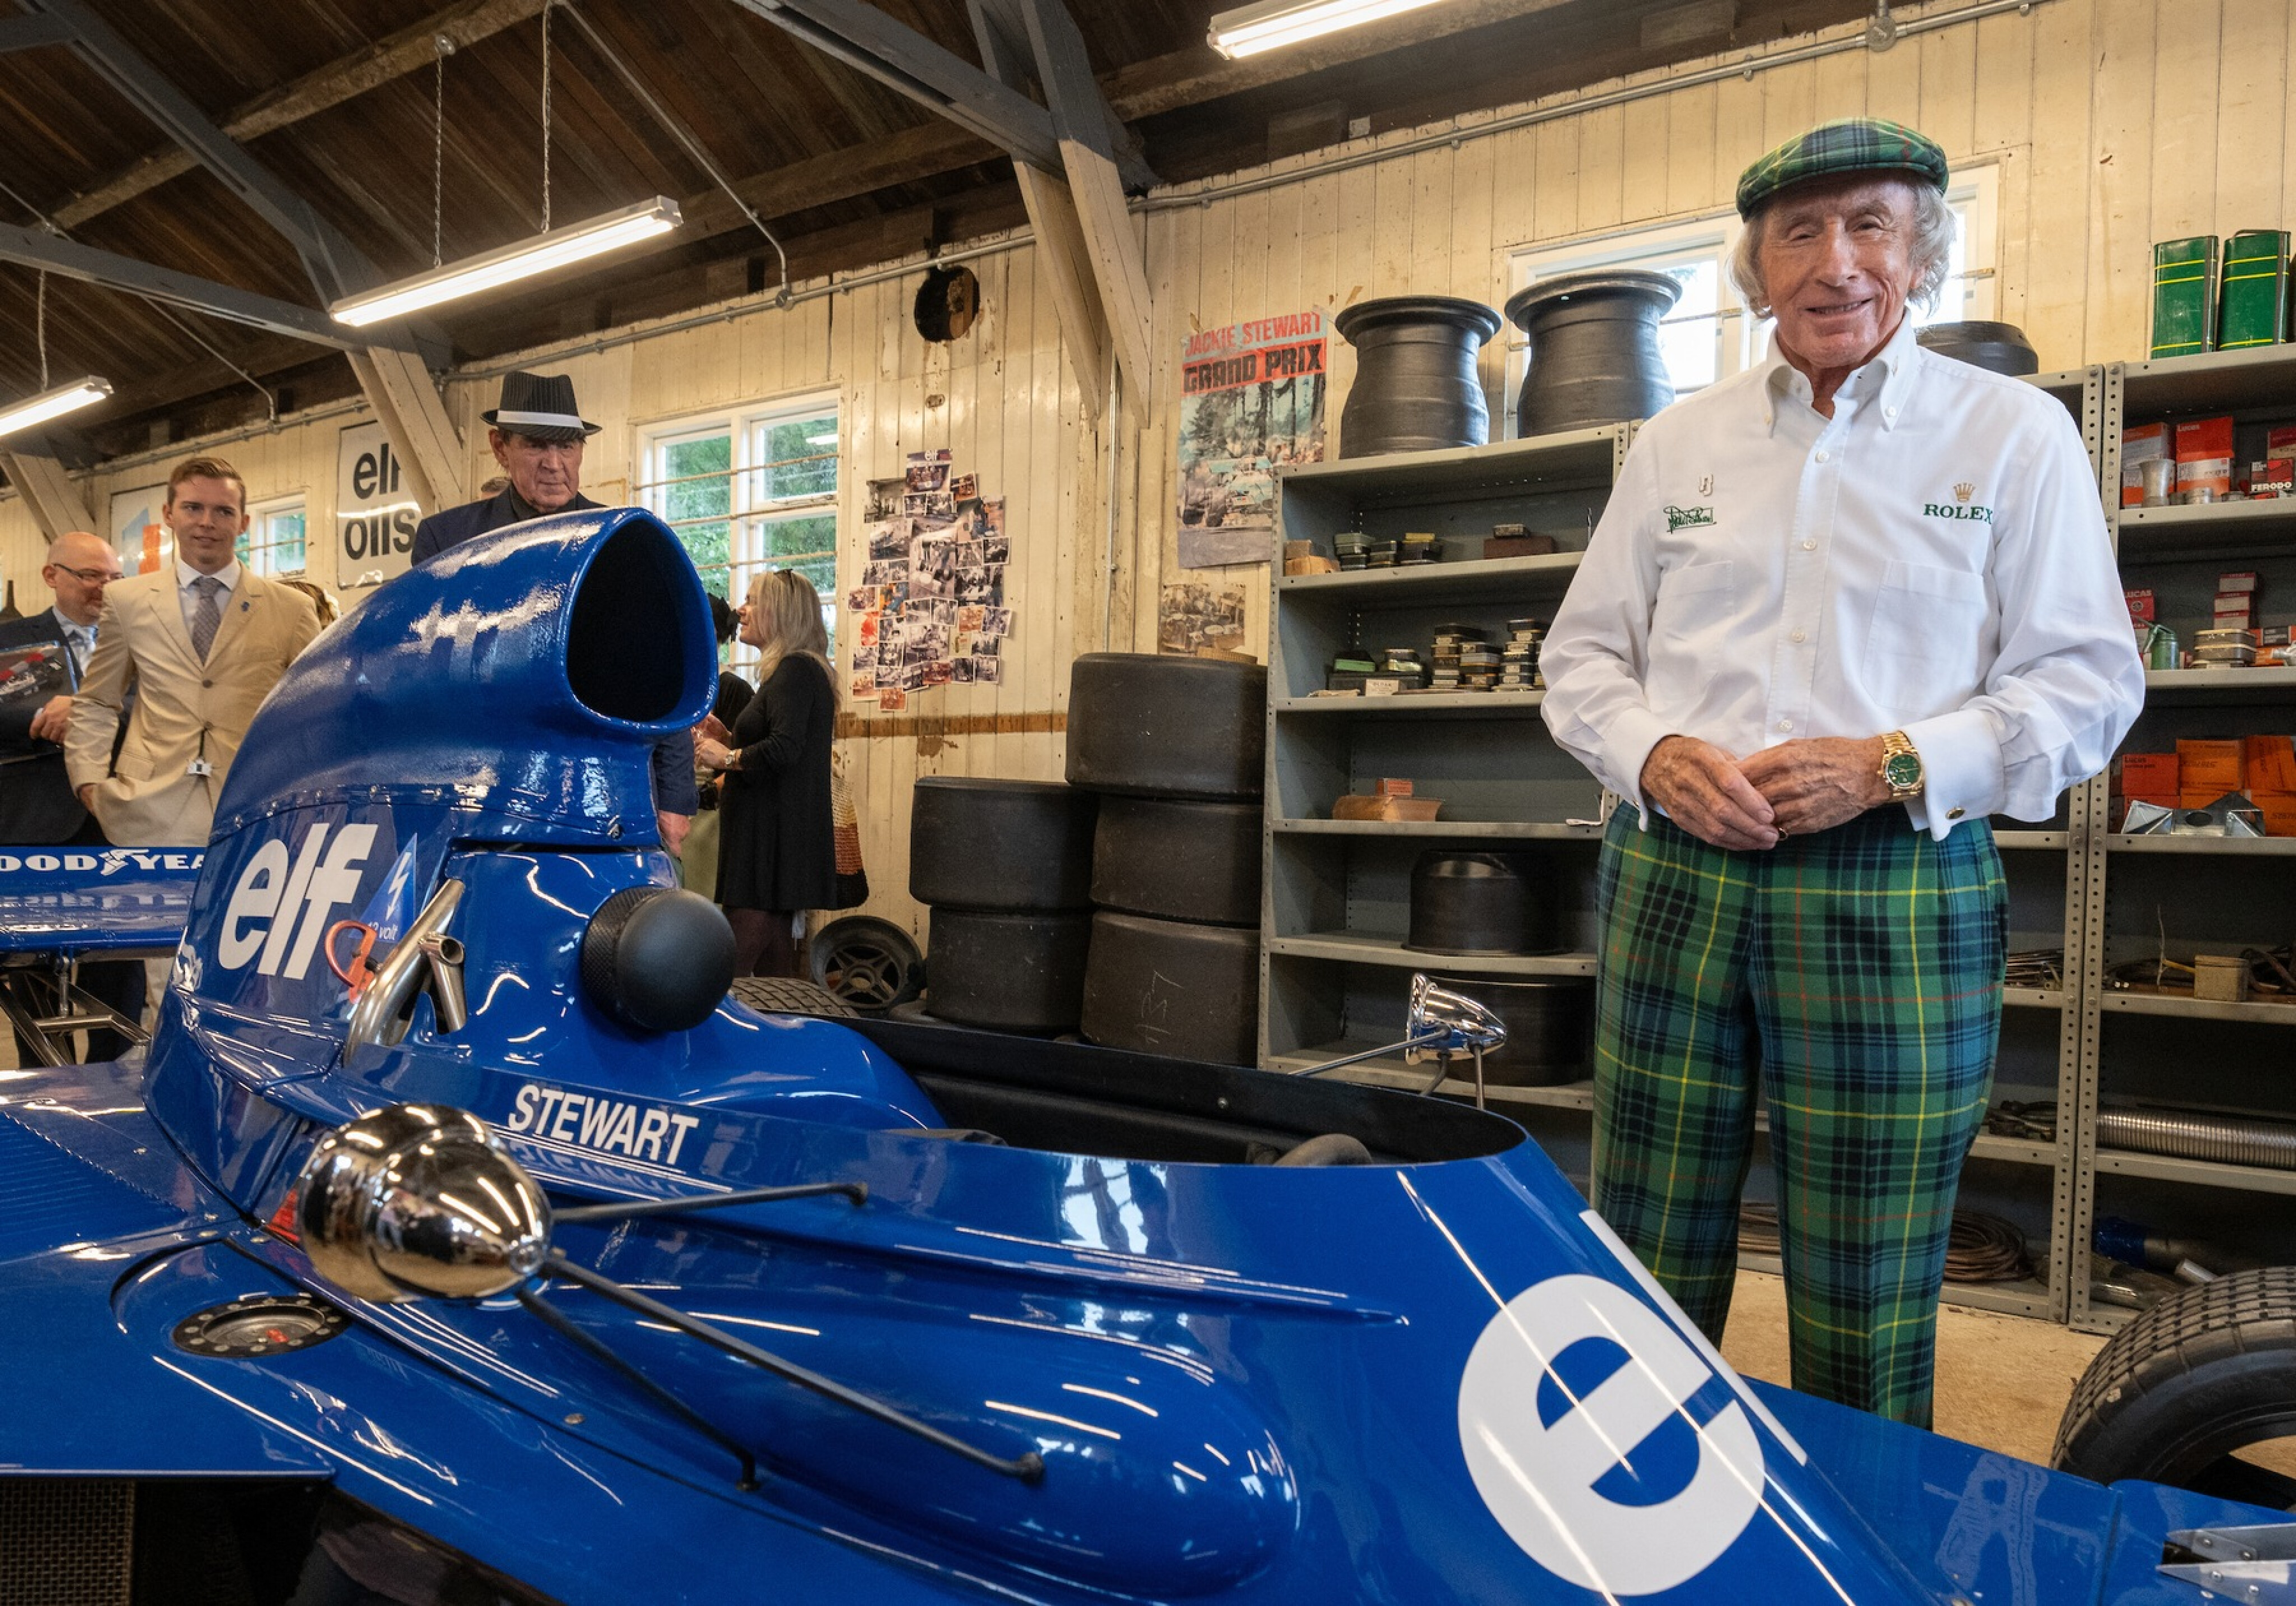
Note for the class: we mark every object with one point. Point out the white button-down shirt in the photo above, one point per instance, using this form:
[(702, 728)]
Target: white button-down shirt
[(1931, 559)]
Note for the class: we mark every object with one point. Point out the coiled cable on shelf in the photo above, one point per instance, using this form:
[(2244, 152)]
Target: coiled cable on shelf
[(2032, 1121), (1982, 1247)]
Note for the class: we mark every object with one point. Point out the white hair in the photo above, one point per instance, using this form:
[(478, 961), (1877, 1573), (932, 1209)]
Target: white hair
[(1931, 252)]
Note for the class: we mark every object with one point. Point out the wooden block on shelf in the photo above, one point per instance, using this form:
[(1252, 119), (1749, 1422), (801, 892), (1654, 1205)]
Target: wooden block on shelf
[(1375, 807)]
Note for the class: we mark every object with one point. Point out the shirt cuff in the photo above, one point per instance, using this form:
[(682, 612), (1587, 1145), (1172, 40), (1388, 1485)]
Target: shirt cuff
[(1962, 772), (1627, 747)]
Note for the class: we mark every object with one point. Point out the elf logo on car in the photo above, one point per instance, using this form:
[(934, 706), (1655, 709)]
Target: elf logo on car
[(1542, 1474), (279, 910)]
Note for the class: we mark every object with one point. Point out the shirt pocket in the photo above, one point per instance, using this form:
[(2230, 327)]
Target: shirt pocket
[(1922, 645), (1689, 600)]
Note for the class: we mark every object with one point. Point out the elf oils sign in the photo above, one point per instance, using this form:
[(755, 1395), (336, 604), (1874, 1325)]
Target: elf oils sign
[(375, 514)]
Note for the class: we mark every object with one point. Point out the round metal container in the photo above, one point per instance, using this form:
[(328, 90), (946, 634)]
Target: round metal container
[(1480, 903), (1594, 348), (2001, 347), (1548, 1020), (1415, 388)]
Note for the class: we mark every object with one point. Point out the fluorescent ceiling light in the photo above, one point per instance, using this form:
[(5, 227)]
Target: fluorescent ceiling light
[(1249, 29), (540, 255), (53, 404)]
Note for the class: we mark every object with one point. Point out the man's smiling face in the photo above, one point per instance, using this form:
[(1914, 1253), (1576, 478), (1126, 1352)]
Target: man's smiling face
[(1837, 262)]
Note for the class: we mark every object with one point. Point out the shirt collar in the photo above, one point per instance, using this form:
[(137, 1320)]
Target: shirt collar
[(73, 627), (228, 575), (1887, 376)]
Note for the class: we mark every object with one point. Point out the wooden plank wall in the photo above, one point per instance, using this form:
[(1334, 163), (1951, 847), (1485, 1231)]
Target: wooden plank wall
[(2113, 123)]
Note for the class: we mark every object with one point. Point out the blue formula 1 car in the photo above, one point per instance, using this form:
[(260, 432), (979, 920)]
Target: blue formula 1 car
[(458, 1238)]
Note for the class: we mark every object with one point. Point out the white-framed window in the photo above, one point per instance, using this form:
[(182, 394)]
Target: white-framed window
[(1709, 335), (273, 542), (748, 489)]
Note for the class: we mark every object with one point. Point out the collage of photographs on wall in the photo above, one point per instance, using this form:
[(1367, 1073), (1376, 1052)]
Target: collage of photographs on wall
[(930, 608)]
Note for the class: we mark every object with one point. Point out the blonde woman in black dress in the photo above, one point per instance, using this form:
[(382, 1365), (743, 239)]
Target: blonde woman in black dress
[(776, 855)]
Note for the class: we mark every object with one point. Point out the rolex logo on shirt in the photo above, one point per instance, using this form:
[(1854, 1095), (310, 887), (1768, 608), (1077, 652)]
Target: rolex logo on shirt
[(1963, 505)]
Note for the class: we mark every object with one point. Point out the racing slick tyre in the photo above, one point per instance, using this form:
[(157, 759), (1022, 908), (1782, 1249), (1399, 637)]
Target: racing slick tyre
[(787, 995), (976, 843), (1009, 973), (2181, 1390), (1178, 861), (870, 964), (1169, 987), (1155, 725)]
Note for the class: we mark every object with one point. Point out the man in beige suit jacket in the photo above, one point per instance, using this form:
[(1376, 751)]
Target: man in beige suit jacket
[(200, 643)]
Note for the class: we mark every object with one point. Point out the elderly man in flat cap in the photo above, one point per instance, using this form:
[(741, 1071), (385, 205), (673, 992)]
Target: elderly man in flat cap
[(1840, 611), (538, 434)]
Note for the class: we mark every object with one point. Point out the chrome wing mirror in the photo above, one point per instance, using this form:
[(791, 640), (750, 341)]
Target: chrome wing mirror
[(1438, 1023), (420, 1202)]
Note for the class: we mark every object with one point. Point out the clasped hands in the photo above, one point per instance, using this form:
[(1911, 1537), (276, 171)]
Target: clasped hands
[(1790, 790)]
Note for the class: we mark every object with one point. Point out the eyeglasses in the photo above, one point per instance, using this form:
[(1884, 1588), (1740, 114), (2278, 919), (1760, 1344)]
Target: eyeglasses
[(88, 577)]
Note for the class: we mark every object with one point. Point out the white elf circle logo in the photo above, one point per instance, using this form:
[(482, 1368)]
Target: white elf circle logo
[(1542, 1479)]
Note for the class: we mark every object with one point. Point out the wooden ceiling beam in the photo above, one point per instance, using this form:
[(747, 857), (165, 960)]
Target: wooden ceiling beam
[(1167, 83), (1191, 77), (392, 57)]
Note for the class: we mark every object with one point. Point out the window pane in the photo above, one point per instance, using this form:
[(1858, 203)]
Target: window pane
[(796, 457), (285, 533), (699, 494), (1687, 338)]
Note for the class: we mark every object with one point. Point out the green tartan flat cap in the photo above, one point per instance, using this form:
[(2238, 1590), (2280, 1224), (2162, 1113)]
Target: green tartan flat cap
[(1855, 144)]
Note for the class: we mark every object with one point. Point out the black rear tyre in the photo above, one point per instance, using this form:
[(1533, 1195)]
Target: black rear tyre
[(2187, 1384)]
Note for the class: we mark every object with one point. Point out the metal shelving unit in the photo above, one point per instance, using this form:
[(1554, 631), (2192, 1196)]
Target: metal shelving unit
[(2152, 895), (1332, 965)]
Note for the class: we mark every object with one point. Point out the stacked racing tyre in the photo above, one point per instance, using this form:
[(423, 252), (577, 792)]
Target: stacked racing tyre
[(1179, 748), (1006, 867)]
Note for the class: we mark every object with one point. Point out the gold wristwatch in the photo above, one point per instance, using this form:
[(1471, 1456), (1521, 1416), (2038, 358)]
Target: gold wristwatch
[(1902, 767)]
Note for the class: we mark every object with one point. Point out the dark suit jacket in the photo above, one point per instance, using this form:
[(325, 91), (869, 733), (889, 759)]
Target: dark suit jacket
[(35, 800), (674, 788)]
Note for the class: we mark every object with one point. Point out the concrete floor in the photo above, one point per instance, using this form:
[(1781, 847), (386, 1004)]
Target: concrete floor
[(2002, 1382)]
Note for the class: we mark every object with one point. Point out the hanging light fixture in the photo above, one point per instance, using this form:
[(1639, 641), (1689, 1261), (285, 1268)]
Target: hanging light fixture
[(1249, 29), (546, 252), (52, 404), (554, 248)]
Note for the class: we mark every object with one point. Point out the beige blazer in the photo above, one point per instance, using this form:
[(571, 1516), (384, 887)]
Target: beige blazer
[(183, 709)]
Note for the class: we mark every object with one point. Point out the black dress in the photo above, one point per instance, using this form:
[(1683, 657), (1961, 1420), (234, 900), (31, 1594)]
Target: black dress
[(776, 848)]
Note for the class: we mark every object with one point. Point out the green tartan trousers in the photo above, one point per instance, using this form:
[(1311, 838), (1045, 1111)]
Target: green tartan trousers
[(1851, 982)]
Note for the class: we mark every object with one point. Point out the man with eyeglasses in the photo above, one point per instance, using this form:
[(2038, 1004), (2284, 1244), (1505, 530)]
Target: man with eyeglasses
[(37, 805), (538, 434)]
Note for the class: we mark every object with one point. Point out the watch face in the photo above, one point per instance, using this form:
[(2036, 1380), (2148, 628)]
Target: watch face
[(1902, 770)]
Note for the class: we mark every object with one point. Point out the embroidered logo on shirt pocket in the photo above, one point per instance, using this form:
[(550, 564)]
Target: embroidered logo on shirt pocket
[(1922, 641)]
